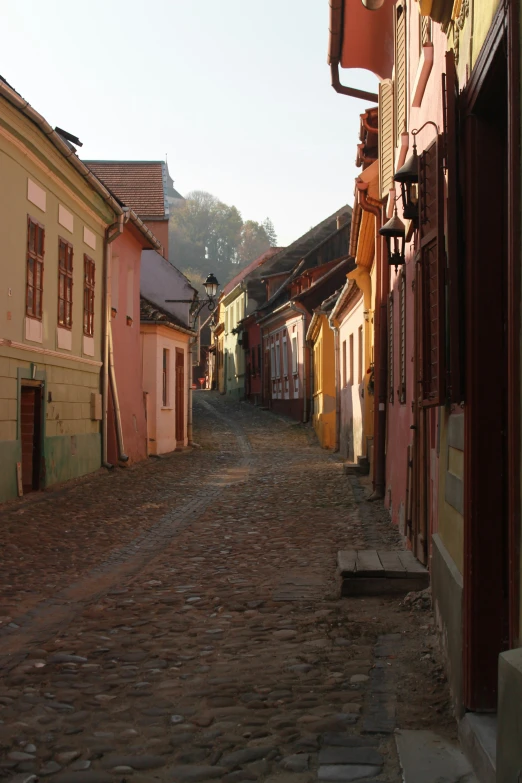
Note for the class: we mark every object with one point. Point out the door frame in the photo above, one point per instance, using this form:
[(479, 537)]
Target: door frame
[(32, 376), (497, 38), (179, 395)]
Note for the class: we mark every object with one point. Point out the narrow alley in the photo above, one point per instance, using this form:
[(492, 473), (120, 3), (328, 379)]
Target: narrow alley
[(181, 620)]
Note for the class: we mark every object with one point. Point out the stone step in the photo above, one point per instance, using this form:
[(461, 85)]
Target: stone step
[(373, 572), (478, 737), (428, 757)]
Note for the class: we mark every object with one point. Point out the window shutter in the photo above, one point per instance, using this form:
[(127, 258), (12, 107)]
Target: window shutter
[(386, 141), (432, 260), (390, 348), (402, 337), (455, 252), (400, 71)]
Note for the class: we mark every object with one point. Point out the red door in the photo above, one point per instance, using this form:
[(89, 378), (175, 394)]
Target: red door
[(180, 395), (30, 430)]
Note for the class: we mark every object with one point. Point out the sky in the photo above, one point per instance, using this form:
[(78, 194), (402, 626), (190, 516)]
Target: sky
[(236, 93)]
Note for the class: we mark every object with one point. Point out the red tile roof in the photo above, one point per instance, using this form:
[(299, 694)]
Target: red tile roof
[(263, 258), (139, 184)]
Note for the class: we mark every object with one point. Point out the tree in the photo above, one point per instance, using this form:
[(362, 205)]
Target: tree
[(270, 231), (254, 242)]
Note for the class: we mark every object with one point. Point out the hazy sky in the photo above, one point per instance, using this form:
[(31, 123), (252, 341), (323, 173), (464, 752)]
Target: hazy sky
[(236, 92)]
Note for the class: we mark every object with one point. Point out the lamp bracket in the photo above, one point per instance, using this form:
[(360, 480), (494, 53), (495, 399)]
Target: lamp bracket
[(418, 130)]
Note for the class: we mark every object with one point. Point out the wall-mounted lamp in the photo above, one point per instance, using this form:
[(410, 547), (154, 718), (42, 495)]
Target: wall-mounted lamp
[(408, 177), (394, 232), (366, 315)]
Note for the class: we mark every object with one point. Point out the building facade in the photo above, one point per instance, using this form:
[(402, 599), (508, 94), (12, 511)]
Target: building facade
[(53, 239)]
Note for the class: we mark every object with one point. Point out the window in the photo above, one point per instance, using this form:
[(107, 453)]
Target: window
[(360, 354), (424, 31), (278, 359), (65, 283), (88, 296), (294, 354), (345, 377), (165, 383), (432, 274), (285, 358), (390, 348), (35, 262), (272, 361), (402, 337), (351, 360)]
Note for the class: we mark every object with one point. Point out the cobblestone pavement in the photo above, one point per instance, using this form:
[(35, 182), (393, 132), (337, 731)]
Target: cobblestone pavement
[(180, 621)]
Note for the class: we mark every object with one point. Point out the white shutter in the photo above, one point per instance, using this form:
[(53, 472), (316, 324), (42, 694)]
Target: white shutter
[(400, 71), (386, 140)]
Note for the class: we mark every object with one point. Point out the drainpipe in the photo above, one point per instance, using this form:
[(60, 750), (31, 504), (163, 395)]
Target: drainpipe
[(350, 91), (380, 315), (117, 413), (111, 234)]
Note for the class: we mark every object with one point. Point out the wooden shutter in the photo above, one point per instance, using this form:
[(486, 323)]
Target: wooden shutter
[(386, 140), (432, 260), (402, 337), (400, 71), (455, 244)]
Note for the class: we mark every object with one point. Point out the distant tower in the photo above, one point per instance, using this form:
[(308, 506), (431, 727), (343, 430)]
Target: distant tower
[(174, 198)]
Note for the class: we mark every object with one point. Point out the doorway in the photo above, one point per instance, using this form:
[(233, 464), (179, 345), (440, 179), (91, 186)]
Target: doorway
[(486, 507), (31, 435), (180, 396)]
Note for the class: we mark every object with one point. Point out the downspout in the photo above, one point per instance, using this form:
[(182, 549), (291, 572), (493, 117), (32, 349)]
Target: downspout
[(380, 315), (115, 401), (190, 358), (111, 234), (350, 91)]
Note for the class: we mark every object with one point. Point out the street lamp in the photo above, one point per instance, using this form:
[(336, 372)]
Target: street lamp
[(408, 177), (211, 286), (394, 232)]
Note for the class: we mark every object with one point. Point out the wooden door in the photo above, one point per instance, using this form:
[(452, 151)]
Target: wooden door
[(180, 395), (31, 436), (486, 479)]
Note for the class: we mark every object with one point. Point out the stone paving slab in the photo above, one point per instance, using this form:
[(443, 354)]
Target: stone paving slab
[(193, 666)]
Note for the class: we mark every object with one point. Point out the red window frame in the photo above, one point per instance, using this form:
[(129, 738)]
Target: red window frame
[(89, 270), (65, 283), (35, 268)]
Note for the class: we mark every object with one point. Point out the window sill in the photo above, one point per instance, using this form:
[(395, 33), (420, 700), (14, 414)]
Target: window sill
[(166, 408)]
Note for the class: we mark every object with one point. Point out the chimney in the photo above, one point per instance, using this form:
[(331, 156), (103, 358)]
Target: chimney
[(342, 220)]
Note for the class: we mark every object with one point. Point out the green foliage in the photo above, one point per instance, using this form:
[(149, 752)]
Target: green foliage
[(205, 234)]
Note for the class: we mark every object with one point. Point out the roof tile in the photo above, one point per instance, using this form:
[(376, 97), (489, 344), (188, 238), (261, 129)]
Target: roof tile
[(138, 184)]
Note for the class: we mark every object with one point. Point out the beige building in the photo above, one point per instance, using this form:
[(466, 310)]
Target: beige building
[(55, 215)]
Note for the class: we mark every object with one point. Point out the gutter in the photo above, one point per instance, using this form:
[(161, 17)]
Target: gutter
[(335, 46)]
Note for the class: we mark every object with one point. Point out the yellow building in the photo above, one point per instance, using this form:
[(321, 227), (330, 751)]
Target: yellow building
[(54, 217), (320, 338)]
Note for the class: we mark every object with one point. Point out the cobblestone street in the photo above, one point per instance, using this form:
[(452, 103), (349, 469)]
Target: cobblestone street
[(180, 620)]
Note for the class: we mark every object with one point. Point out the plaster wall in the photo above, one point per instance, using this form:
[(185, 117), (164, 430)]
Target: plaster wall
[(162, 418), (125, 294), (352, 395), (324, 396), (234, 306)]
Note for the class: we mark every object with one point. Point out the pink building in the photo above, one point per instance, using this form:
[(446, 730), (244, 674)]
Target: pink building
[(126, 413)]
